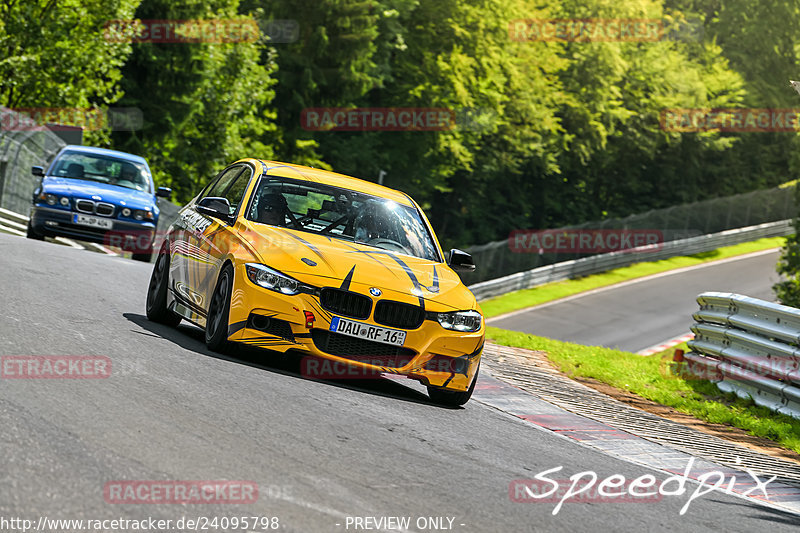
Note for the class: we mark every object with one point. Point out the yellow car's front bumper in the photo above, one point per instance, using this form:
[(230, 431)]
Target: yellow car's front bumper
[(431, 354)]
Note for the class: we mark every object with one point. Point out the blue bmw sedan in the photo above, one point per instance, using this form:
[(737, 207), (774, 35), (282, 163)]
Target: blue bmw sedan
[(97, 195)]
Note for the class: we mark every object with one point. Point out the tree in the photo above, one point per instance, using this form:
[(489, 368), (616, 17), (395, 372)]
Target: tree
[(205, 104), (788, 290), (56, 55)]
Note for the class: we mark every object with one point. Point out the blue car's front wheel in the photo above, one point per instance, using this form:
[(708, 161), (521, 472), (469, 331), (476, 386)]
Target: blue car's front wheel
[(32, 234)]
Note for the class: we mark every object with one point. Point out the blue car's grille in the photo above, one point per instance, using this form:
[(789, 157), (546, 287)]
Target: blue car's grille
[(85, 206), (104, 209), (91, 207)]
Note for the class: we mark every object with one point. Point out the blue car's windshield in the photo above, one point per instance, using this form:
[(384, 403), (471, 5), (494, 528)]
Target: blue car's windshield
[(105, 169)]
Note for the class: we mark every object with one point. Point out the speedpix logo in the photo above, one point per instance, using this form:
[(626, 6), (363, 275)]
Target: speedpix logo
[(587, 486)]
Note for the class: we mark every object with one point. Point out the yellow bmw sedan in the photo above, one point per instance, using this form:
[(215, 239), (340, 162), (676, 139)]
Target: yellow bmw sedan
[(287, 257)]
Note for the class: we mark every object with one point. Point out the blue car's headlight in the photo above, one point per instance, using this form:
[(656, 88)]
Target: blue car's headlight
[(52, 199), (272, 279), (461, 320)]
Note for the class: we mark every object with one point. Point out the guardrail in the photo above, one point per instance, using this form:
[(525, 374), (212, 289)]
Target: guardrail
[(498, 258), (608, 261), (748, 347)]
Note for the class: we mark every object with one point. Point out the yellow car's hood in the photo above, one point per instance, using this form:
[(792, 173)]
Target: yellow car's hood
[(322, 261)]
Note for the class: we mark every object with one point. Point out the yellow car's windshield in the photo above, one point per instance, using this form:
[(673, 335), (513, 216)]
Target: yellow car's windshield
[(342, 213)]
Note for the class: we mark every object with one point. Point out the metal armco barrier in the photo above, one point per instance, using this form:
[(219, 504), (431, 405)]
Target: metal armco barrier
[(608, 261), (748, 347)]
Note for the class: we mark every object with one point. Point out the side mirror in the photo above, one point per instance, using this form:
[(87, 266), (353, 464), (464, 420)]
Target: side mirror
[(164, 192), (37, 171), (461, 261), (215, 207)]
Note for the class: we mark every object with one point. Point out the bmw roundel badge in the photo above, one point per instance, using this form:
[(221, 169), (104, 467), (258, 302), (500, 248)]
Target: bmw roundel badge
[(375, 291)]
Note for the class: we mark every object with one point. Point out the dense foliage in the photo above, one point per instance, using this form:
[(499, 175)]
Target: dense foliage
[(548, 133)]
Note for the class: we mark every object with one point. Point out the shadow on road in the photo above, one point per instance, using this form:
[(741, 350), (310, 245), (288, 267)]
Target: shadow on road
[(191, 338)]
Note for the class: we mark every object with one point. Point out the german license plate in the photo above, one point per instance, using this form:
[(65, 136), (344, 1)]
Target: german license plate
[(368, 332), (95, 222)]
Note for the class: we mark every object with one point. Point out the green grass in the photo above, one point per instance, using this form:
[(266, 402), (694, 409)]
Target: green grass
[(561, 289), (650, 378)]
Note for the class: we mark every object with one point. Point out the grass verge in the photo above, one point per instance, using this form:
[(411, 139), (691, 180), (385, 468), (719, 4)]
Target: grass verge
[(514, 301), (650, 378)]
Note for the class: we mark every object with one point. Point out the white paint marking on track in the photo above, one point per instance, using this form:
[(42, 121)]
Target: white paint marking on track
[(69, 242), (632, 282)]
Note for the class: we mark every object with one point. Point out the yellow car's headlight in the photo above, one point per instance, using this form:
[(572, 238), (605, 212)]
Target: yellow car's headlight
[(460, 320), (268, 278)]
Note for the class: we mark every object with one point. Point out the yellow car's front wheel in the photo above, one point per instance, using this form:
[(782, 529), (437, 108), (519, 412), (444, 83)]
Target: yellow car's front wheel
[(219, 311)]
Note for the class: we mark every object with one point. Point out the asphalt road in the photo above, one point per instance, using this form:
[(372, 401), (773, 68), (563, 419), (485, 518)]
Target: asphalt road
[(319, 451), (635, 315)]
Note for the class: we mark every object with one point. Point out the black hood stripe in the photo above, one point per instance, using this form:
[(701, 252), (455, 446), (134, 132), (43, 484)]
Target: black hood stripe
[(347, 279)]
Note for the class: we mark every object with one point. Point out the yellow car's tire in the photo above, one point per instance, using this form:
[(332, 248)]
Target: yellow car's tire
[(157, 292), (219, 311), (451, 398)]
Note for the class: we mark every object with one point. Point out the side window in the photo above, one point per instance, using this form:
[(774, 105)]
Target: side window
[(221, 185), (208, 186), (236, 190), (231, 186)]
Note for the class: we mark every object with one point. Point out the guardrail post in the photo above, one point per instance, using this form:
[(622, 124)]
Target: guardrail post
[(3, 167)]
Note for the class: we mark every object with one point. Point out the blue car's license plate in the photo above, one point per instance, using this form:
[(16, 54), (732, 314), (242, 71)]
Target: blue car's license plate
[(95, 222)]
